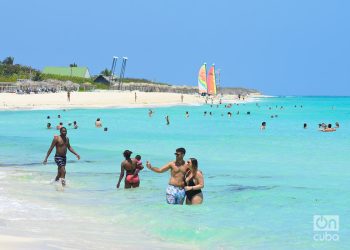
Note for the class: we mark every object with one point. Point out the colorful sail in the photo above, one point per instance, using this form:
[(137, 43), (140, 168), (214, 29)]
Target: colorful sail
[(202, 79), (211, 81)]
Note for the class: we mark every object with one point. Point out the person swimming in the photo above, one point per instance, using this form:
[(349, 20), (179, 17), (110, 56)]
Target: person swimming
[(98, 123), (328, 129)]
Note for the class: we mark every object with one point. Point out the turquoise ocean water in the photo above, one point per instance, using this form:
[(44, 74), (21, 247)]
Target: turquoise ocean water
[(262, 188)]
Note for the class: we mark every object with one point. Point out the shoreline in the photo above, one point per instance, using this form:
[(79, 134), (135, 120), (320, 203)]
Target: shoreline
[(107, 100)]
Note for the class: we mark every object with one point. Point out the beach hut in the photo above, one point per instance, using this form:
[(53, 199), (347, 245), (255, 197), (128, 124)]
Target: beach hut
[(68, 71), (102, 79)]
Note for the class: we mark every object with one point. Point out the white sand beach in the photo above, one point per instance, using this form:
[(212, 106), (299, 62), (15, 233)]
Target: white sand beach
[(101, 99)]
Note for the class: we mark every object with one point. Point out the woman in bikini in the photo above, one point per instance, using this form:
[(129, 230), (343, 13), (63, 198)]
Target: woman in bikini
[(129, 166), (194, 182)]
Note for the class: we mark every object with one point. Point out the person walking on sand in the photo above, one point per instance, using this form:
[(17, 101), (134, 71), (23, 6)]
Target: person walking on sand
[(61, 142), (182, 98), (68, 95), (135, 97), (175, 192), (129, 166)]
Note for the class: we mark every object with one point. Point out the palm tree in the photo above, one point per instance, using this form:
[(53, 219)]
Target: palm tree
[(73, 65), (8, 60), (106, 72)]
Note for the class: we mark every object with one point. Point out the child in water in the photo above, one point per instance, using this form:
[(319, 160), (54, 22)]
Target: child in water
[(134, 178)]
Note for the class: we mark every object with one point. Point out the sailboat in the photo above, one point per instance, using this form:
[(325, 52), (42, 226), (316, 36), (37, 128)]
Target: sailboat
[(202, 80), (211, 82)]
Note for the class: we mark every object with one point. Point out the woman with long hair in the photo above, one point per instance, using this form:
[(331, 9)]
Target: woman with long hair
[(194, 182)]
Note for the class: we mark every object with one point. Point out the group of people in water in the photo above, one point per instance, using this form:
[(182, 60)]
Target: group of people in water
[(186, 180)]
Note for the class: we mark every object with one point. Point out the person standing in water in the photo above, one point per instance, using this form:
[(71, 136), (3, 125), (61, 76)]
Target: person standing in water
[(194, 182), (129, 166), (175, 192), (61, 143)]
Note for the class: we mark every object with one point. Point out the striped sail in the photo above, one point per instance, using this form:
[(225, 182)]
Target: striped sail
[(202, 79), (211, 81)]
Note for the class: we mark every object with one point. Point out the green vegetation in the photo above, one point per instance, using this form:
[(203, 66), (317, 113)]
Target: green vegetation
[(138, 80), (74, 79)]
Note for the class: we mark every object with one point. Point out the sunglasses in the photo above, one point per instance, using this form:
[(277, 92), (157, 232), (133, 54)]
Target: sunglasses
[(177, 154)]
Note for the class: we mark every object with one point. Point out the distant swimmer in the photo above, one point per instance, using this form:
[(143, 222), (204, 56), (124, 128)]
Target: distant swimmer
[(61, 142), (98, 123), (187, 114), (105, 129), (48, 117), (205, 113), (175, 192), (194, 182), (75, 124), (59, 116), (328, 129), (129, 166), (229, 114), (48, 126), (263, 126), (167, 120), (150, 112), (248, 113), (210, 113), (337, 125), (59, 126), (305, 125)]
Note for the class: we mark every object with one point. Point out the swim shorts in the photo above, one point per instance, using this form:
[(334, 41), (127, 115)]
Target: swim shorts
[(175, 195), (60, 160)]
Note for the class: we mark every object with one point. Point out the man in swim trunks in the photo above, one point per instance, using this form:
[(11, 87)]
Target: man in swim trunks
[(175, 193), (61, 143)]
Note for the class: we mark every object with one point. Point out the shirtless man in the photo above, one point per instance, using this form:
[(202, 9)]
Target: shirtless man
[(61, 143), (175, 192), (129, 166), (98, 123)]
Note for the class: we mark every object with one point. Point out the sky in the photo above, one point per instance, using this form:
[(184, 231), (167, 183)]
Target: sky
[(290, 47)]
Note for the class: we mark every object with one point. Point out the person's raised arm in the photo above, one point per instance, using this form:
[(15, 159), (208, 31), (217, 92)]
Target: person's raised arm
[(53, 144), (159, 170), (121, 175), (72, 150)]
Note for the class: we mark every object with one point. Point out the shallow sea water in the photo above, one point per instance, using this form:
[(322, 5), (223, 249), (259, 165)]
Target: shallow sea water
[(262, 188)]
